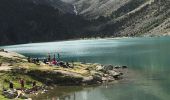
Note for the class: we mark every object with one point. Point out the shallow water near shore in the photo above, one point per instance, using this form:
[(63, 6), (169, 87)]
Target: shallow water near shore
[(147, 77)]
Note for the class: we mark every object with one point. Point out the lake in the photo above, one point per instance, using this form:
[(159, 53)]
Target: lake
[(147, 58)]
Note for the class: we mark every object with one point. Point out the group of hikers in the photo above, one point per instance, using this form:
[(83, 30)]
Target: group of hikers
[(22, 85), (50, 61), (34, 60), (18, 92)]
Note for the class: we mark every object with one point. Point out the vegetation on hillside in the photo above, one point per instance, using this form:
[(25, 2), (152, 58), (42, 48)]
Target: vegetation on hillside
[(36, 21)]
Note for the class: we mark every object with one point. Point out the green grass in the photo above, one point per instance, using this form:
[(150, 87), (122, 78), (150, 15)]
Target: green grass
[(14, 77), (40, 73), (3, 98)]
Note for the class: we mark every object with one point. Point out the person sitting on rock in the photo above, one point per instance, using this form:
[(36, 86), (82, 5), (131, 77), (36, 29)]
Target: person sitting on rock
[(34, 84), (45, 61), (54, 58), (34, 60), (29, 59), (22, 83), (11, 85), (37, 60), (49, 58), (58, 56), (68, 65), (54, 62)]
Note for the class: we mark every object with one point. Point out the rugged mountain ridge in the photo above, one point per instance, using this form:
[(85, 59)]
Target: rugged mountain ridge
[(27, 21), (97, 8), (24, 21), (127, 17), (149, 18)]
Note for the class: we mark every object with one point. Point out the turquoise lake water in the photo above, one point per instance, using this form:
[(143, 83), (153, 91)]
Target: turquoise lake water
[(148, 60)]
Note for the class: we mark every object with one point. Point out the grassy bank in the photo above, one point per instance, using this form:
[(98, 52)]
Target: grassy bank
[(15, 66)]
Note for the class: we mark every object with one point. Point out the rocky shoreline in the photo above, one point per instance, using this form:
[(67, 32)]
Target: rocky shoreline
[(47, 75)]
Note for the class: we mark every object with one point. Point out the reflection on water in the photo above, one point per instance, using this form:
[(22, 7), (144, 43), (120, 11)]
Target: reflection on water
[(148, 60)]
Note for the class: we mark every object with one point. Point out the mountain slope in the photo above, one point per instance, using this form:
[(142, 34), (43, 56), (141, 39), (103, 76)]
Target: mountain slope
[(150, 18), (96, 8), (126, 17), (24, 21)]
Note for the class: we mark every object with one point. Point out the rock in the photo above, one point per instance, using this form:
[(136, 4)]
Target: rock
[(97, 78), (117, 67), (87, 79), (92, 72), (10, 94), (124, 67), (115, 75), (104, 79), (99, 68), (110, 79), (105, 75), (89, 69), (121, 73), (109, 67), (2, 50), (97, 73)]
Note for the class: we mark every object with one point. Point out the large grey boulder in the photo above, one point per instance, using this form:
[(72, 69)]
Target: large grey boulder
[(99, 67), (116, 75), (109, 67), (88, 79), (10, 94)]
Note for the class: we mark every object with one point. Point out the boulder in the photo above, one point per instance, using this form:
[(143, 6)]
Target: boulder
[(104, 78), (2, 50), (114, 74), (124, 67), (109, 67), (99, 68), (97, 78), (110, 79), (117, 67), (10, 94), (97, 73), (87, 79)]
